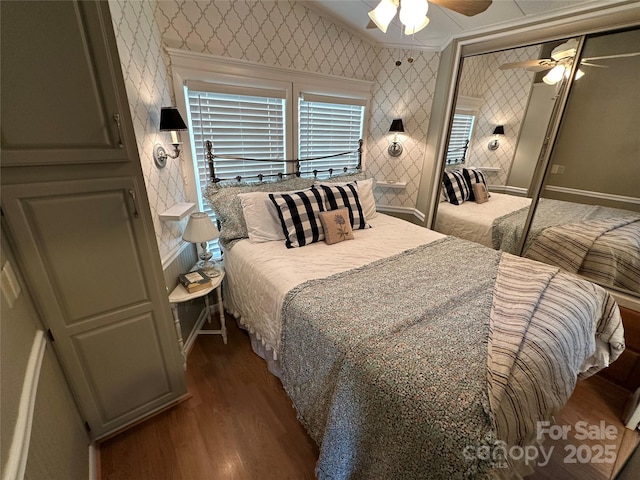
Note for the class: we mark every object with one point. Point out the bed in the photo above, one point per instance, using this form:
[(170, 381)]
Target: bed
[(474, 221), (406, 352), (600, 243)]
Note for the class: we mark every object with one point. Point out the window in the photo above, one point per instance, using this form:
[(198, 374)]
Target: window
[(328, 126), (254, 122), (248, 126), (461, 129)]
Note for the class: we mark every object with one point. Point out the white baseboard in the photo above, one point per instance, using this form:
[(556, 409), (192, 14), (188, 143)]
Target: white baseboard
[(19, 450), (600, 195), (522, 192), (632, 419), (93, 462), (407, 210)]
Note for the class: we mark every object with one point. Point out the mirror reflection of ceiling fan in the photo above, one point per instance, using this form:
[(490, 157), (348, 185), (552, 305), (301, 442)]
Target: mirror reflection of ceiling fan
[(559, 65), (413, 13)]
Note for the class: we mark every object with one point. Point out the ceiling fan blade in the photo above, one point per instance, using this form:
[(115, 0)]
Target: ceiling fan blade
[(371, 25), (531, 65), (619, 55), (592, 64), (465, 7)]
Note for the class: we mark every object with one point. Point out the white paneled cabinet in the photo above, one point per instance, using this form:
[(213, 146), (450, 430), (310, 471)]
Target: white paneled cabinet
[(75, 205)]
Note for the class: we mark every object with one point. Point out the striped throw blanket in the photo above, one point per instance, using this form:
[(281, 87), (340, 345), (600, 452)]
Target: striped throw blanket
[(547, 329), (397, 367), (607, 251)]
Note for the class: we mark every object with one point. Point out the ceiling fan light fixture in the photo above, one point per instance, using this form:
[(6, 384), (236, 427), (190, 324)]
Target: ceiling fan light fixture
[(579, 75), (411, 29), (383, 14), (412, 12), (554, 75)]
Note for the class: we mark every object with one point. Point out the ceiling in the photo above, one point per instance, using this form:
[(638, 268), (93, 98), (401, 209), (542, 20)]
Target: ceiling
[(446, 24)]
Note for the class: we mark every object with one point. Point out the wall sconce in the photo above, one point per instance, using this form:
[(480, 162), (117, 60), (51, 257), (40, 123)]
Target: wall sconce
[(201, 229), (170, 121), (494, 144), (395, 147)]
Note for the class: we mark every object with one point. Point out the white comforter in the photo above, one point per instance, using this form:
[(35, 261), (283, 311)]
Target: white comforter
[(259, 275), (474, 221)]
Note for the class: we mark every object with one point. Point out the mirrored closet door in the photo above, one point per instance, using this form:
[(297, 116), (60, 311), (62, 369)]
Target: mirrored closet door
[(589, 204), (552, 129), (507, 92)]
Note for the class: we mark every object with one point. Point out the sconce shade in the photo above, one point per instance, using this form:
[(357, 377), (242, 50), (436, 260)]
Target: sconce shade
[(200, 228), (170, 120), (396, 126), (499, 130)]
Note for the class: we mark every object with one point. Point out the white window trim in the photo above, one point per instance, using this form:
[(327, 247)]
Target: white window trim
[(201, 67), (468, 105)]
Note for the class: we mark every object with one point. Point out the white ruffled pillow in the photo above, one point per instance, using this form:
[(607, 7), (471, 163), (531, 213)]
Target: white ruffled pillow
[(261, 217)]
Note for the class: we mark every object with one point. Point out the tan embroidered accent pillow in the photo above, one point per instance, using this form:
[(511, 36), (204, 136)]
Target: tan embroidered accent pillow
[(336, 225), (480, 192)]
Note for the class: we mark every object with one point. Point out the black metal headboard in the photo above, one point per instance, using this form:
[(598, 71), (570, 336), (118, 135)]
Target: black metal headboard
[(210, 156)]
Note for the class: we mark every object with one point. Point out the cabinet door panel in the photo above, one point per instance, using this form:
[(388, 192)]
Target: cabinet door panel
[(105, 248), (131, 378), (87, 260), (58, 94)]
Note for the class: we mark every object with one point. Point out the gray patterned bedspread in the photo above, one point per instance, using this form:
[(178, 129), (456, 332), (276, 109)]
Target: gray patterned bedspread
[(506, 230), (607, 251), (387, 365)]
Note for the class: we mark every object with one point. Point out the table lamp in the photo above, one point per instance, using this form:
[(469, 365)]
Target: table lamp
[(201, 229)]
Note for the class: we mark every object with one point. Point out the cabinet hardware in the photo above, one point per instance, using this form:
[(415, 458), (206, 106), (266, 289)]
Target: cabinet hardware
[(132, 193), (116, 118)]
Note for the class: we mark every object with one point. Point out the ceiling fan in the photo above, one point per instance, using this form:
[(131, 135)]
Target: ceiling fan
[(413, 13), (560, 62)]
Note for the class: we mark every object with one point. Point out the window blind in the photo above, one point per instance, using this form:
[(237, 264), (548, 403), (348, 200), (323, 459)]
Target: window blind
[(328, 127), (461, 129), (238, 125)]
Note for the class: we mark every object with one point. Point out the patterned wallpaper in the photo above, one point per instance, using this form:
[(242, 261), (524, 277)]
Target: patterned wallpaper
[(401, 92), (505, 94), (148, 89), (280, 33)]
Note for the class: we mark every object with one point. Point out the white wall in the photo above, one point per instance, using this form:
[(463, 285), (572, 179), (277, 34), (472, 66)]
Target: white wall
[(56, 444)]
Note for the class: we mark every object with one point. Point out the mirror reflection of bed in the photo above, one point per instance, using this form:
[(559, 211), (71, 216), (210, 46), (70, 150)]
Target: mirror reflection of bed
[(588, 187)]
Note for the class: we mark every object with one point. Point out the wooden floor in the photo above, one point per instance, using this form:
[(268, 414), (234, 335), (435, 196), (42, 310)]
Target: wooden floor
[(239, 424)]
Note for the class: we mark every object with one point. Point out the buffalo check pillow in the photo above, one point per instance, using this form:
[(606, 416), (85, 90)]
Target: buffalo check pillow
[(340, 196), (473, 176), (455, 187), (299, 216)]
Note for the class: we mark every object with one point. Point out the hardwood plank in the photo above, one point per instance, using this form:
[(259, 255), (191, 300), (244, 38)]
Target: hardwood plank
[(240, 424)]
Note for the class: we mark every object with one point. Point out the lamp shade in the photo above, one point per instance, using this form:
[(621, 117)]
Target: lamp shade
[(200, 228), (499, 130), (413, 13), (396, 126), (383, 14), (170, 120), (417, 26)]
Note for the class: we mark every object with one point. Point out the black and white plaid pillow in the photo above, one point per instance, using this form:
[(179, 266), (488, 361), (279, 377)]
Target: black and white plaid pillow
[(340, 196), (473, 176), (455, 187), (298, 212)]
